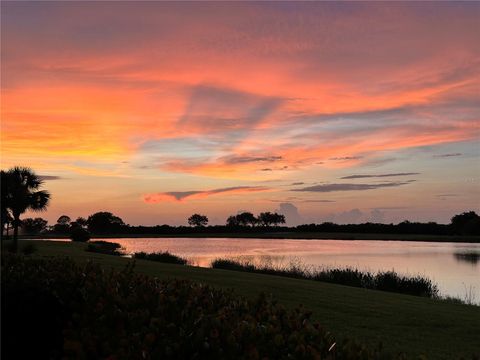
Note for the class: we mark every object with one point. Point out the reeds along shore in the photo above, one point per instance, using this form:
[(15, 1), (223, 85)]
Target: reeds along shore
[(385, 281)]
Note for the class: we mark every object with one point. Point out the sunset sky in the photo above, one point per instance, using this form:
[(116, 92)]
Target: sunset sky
[(345, 112)]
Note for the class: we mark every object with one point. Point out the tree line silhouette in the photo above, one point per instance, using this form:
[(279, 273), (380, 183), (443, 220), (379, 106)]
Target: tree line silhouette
[(21, 191)]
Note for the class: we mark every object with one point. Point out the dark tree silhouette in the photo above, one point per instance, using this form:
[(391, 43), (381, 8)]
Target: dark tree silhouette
[(5, 216), (7, 224), (198, 220), (243, 219), (104, 222), (64, 220), (63, 225), (232, 221), (79, 234), (467, 223), (20, 191), (269, 219), (34, 226), (81, 221)]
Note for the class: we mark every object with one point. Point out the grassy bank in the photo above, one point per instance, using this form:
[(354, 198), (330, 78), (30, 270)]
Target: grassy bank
[(411, 324), (385, 281), (288, 235)]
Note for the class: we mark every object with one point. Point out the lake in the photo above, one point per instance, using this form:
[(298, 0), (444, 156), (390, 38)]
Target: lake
[(455, 274)]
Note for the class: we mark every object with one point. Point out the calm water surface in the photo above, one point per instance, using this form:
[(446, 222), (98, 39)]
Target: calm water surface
[(455, 275)]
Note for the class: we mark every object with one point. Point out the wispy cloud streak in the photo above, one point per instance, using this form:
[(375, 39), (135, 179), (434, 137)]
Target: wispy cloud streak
[(379, 175), (349, 187), (196, 194)]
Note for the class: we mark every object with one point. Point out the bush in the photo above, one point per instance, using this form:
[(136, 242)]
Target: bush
[(232, 265), (66, 310), (418, 285), (80, 234), (164, 257), (105, 247)]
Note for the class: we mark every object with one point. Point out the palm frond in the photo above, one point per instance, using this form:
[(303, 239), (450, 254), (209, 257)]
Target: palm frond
[(39, 200)]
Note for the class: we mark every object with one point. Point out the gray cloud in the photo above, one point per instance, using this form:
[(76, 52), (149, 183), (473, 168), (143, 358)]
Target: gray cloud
[(296, 199), (379, 175), (346, 217), (210, 108), (292, 216), (49, 177), (349, 187), (249, 159), (447, 155), (343, 158), (181, 195), (298, 183)]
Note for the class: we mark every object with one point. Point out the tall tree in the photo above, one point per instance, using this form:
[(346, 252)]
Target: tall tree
[(104, 222), (63, 225), (20, 191), (5, 216), (246, 219), (269, 219), (197, 220)]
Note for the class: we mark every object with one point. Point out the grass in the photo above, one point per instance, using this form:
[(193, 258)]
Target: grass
[(385, 281), (415, 325)]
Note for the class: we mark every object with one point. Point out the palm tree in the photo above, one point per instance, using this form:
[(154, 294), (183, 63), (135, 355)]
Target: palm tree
[(20, 193)]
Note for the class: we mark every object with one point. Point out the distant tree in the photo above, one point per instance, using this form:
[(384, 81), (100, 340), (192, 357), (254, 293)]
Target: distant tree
[(81, 221), (79, 234), (467, 223), (232, 221), (34, 226), (20, 192), (63, 225), (198, 220), (278, 219), (104, 222), (246, 219), (269, 219), (5, 216), (64, 220)]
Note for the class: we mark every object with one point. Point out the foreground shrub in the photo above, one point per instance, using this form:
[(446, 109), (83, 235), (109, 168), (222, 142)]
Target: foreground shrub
[(164, 257), (65, 310), (105, 247), (233, 265), (418, 285), (80, 234), (385, 281)]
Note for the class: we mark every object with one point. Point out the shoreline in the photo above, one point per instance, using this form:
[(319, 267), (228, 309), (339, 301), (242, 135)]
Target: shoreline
[(287, 236)]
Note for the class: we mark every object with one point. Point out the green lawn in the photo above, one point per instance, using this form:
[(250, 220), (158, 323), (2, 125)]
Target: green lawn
[(405, 323)]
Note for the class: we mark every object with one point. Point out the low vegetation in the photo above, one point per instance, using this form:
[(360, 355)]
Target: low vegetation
[(417, 326), (65, 310), (164, 257), (105, 247), (79, 234), (385, 281)]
